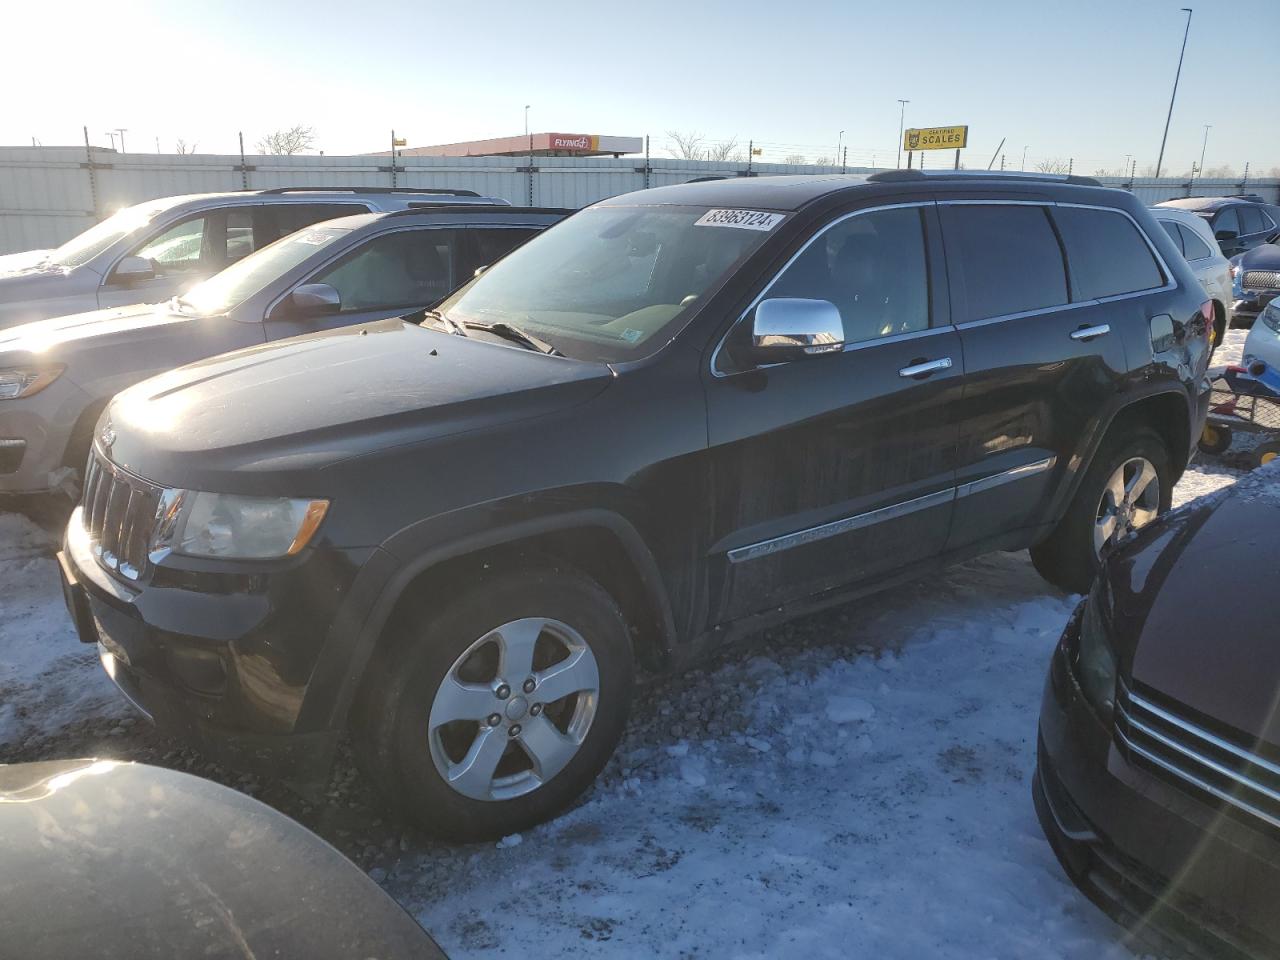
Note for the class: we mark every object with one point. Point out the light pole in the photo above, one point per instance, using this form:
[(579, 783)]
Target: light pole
[(1174, 95), (122, 131), (902, 112), (1023, 168), (839, 144), (1202, 148), (526, 119), (112, 135)]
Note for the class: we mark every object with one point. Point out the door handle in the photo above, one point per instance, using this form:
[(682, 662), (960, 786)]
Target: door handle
[(1088, 333), (925, 368)]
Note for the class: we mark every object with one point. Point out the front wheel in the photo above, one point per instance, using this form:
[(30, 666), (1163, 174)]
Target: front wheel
[(1128, 484), (497, 712)]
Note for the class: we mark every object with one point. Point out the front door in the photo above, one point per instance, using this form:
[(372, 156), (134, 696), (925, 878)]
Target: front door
[(838, 467)]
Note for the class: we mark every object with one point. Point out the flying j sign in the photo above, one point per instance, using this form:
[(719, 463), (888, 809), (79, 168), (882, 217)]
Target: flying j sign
[(935, 138)]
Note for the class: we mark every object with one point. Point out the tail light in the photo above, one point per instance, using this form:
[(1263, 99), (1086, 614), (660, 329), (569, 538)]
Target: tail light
[(1206, 311)]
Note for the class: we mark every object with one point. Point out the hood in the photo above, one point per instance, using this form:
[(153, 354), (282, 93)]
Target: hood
[(1195, 606), (1265, 256), (120, 860), (50, 337), (256, 419), (28, 263)]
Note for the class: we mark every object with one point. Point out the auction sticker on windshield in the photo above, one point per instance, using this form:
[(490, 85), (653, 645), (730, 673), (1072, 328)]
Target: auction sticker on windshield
[(744, 219)]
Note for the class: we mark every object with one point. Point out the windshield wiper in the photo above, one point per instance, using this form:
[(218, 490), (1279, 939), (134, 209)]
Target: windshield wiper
[(452, 325), (514, 333)]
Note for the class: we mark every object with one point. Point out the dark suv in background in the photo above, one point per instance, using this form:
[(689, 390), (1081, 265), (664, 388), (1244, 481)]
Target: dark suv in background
[(1238, 224), (671, 419)]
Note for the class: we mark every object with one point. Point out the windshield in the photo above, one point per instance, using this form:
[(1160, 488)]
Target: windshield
[(84, 247), (244, 278), (610, 280)]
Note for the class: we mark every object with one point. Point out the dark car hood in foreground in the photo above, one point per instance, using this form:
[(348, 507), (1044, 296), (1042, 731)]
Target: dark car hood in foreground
[(1196, 602), (121, 861), (1265, 256), (257, 417)]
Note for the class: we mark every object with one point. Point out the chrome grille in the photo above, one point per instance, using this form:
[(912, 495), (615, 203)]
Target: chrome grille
[(119, 514), (1260, 279), (1226, 771)]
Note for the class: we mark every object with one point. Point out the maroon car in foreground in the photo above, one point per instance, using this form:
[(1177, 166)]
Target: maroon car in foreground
[(1158, 781)]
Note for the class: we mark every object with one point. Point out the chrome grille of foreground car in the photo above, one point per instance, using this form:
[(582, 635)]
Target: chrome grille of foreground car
[(119, 514), (1260, 279), (1210, 764)]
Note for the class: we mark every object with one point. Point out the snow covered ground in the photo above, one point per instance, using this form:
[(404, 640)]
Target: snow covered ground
[(853, 784)]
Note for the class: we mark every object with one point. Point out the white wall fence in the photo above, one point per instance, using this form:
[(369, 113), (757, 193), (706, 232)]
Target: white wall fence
[(49, 194)]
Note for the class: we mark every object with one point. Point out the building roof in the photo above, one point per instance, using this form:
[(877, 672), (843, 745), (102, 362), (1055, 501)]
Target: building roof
[(535, 144)]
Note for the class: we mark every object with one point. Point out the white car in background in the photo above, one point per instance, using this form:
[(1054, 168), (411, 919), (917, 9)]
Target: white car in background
[(1192, 235), (1263, 342)]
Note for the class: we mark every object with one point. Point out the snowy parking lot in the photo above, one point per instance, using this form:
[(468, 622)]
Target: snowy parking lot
[(854, 784)]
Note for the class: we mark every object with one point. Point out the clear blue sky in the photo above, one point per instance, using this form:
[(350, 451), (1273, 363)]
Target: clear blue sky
[(1084, 79)]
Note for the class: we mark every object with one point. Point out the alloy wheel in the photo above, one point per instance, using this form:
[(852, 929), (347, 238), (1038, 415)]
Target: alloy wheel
[(514, 709), (1130, 500)]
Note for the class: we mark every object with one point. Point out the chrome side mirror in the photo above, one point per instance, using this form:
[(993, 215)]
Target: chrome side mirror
[(133, 269), (314, 300), (789, 327)]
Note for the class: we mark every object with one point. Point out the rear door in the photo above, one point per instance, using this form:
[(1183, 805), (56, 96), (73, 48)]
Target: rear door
[(1043, 356), (836, 467), (1226, 230), (1255, 226)]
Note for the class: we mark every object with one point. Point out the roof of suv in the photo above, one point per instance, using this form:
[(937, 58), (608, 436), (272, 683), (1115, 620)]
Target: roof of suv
[(379, 198), (470, 212), (791, 192), (1205, 203)]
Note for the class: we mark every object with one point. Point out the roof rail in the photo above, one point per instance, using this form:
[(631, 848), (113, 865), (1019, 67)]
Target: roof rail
[(414, 208), (439, 190), (708, 179), (891, 176)]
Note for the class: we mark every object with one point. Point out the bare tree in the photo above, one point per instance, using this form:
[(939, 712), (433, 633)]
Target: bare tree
[(688, 146), (288, 142), (1053, 165), (722, 152), (182, 147), (1222, 171), (826, 162), (793, 158)]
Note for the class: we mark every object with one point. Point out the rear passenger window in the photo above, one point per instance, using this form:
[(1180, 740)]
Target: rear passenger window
[(1227, 222), (1009, 259), (873, 267), (1193, 246), (1175, 234), (1107, 253), (1251, 220)]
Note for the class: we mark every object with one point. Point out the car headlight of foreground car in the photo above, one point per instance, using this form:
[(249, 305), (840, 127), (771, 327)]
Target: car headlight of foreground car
[(18, 382), (199, 524), (1096, 661), (1271, 315)]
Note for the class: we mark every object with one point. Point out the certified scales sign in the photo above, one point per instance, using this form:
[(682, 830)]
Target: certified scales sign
[(935, 138)]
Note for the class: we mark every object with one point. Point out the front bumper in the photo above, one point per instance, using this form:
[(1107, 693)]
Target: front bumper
[(44, 425), (1173, 871), (235, 664)]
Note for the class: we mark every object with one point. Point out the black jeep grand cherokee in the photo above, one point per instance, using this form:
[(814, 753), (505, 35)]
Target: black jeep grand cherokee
[(671, 419)]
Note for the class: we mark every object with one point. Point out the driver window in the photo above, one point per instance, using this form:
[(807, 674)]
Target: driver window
[(177, 250), (409, 268), (872, 267)]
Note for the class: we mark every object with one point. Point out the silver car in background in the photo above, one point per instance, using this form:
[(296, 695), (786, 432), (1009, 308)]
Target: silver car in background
[(155, 250), (1193, 236)]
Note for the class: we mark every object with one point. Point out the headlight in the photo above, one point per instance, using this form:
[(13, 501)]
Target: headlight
[(24, 381), (1096, 665), (1271, 315), (242, 528)]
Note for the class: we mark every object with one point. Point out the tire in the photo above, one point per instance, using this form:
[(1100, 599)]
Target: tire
[(1214, 439), (1069, 557), (400, 734), (1265, 453)]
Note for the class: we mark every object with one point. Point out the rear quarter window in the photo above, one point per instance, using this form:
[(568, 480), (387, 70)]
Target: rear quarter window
[(1193, 247), (1106, 252), (1009, 258)]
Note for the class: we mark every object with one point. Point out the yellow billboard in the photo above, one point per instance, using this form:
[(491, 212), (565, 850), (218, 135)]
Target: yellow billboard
[(935, 138)]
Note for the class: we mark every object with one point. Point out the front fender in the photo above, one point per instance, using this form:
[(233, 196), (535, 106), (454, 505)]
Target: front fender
[(423, 545)]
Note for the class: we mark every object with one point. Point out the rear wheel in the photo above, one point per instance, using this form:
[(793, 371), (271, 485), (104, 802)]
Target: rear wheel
[(497, 712), (1214, 439), (1128, 484)]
